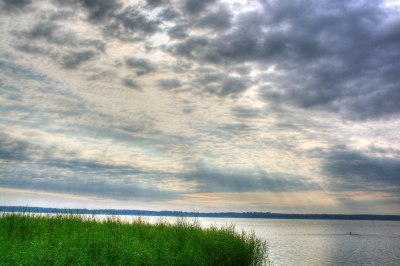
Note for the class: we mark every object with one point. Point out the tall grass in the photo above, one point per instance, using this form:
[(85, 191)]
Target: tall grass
[(33, 239)]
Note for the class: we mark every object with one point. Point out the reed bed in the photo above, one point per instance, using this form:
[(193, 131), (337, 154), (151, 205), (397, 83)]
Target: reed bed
[(74, 239)]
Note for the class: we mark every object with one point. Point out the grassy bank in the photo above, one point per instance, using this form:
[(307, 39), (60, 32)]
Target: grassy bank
[(31, 239)]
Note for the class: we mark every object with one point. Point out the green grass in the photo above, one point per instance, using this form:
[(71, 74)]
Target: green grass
[(32, 239)]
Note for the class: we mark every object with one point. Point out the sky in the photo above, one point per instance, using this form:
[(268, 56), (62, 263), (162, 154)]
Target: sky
[(201, 105)]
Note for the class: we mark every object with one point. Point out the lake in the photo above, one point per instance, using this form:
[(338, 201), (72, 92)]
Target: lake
[(324, 242)]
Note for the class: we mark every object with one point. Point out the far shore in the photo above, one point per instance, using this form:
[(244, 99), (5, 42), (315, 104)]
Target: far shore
[(259, 215)]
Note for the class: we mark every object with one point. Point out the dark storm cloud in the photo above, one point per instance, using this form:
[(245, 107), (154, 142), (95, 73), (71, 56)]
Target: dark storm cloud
[(125, 23), (355, 170), (206, 76), (97, 9), (240, 45), (14, 4), (246, 180), (142, 66), (168, 14), (101, 8), (13, 149), (18, 149), (131, 25), (243, 45), (231, 86), (55, 34), (217, 20), (342, 58), (72, 60), (61, 15), (155, 3), (44, 51), (88, 165), (33, 49), (182, 67), (134, 20), (208, 81), (42, 30), (190, 48), (177, 32), (338, 57), (197, 6), (376, 104), (99, 184), (127, 82), (169, 84)]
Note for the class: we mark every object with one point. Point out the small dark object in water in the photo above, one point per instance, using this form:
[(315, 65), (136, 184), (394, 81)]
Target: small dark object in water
[(350, 233)]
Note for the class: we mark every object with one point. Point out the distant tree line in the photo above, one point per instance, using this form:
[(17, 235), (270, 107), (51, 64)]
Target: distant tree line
[(260, 215)]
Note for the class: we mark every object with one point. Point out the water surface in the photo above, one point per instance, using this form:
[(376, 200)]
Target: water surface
[(324, 242)]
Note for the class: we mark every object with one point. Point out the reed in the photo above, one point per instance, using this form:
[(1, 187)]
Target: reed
[(73, 239)]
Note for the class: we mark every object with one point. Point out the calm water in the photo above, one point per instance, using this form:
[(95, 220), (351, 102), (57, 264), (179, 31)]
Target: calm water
[(324, 242)]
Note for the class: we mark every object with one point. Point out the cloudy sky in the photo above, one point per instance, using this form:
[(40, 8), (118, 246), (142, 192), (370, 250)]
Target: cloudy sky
[(201, 105)]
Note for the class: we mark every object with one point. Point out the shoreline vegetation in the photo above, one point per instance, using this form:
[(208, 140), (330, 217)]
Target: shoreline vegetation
[(28, 238), (262, 215)]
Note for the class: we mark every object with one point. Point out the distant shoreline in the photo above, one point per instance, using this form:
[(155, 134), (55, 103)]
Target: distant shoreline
[(262, 215)]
